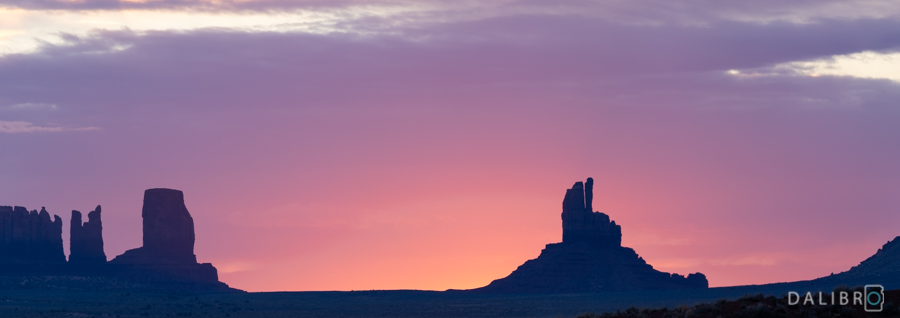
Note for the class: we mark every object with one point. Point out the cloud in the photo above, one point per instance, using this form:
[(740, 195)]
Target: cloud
[(867, 64), (206, 77), (669, 264), (227, 266), (32, 106), (24, 30), (863, 65), (646, 11), (502, 50), (758, 260), (12, 127)]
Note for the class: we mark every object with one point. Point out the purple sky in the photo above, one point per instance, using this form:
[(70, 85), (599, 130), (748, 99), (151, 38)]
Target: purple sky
[(402, 144)]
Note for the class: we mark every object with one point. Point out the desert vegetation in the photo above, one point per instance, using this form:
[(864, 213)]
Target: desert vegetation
[(758, 306)]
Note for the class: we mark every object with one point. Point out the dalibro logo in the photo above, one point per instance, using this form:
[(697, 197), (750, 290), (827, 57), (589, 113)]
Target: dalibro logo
[(874, 298), (871, 298)]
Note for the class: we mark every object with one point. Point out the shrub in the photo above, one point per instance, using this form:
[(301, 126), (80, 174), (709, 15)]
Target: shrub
[(758, 311), (752, 298)]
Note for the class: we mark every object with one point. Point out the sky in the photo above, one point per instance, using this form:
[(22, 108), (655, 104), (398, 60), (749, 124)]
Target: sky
[(357, 145)]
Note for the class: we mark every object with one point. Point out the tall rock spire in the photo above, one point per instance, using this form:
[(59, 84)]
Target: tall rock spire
[(589, 195), (581, 224), (86, 240)]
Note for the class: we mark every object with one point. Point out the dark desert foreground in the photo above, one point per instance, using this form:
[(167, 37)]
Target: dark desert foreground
[(39, 303), (394, 303)]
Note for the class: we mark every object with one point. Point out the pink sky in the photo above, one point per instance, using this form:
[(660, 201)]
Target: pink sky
[(435, 154)]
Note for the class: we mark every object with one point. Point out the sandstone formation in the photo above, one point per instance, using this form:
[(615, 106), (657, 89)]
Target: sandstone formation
[(589, 259), (31, 245), (583, 226), (30, 238), (86, 240), (167, 255), (168, 230)]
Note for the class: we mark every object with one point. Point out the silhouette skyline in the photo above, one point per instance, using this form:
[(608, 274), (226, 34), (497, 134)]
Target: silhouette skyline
[(31, 245), (423, 145)]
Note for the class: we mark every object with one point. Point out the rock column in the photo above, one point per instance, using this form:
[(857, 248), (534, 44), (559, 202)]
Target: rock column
[(30, 237), (86, 240), (582, 225)]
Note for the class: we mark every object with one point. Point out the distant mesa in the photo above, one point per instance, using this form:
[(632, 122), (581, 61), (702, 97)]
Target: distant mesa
[(168, 230), (30, 237), (32, 245), (167, 255), (589, 259)]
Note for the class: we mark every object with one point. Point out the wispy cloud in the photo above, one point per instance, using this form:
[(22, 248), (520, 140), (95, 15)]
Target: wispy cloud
[(12, 127), (756, 260), (32, 106), (762, 11), (866, 64), (25, 26)]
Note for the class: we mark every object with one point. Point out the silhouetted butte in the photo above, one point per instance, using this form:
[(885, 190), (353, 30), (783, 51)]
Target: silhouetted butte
[(168, 230), (589, 259), (167, 255)]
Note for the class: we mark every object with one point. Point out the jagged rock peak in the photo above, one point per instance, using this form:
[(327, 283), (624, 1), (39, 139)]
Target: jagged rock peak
[(30, 237), (581, 224), (86, 240)]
